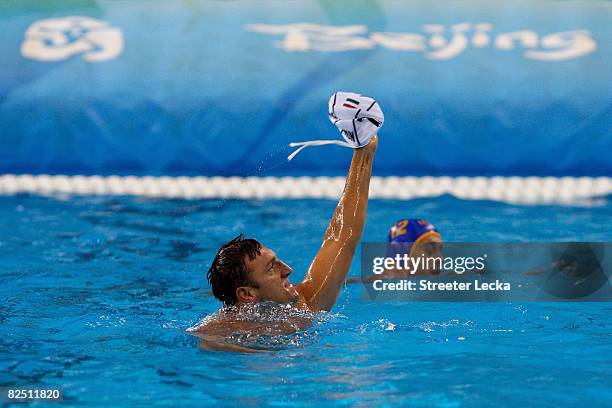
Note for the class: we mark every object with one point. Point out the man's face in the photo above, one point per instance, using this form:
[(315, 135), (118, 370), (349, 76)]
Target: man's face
[(272, 277), (429, 247)]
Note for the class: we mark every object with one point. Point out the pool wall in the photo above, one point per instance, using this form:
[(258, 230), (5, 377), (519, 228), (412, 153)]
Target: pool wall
[(220, 88)]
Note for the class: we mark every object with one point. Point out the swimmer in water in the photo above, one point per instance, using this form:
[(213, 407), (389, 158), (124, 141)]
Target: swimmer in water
[(415, 237), (244, 272)]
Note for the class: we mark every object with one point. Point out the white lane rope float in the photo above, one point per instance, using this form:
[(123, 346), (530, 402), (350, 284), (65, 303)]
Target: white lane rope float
[(515, 190)]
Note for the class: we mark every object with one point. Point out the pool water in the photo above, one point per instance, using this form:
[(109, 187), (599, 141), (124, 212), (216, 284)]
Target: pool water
[(98, 293)]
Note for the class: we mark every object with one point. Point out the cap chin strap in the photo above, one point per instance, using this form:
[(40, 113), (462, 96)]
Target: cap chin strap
[(304, 145)]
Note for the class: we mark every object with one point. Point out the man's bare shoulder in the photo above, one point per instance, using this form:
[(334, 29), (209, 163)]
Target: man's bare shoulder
[(229, 325), (214, 336), (223, 325), (301, 289), (215, 333)]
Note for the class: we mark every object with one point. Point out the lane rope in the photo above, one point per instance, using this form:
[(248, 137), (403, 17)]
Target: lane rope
[(519, 190)]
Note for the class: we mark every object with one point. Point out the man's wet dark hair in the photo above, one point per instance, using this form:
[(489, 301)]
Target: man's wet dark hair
[(228, 270)]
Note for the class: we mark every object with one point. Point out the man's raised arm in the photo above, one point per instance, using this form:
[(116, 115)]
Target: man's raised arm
[(331, 264)]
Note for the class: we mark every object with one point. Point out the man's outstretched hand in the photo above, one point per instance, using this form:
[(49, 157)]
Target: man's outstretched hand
[(373, 145)]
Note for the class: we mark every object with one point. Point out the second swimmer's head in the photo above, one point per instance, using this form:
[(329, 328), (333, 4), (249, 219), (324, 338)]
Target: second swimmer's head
[(415, 237)]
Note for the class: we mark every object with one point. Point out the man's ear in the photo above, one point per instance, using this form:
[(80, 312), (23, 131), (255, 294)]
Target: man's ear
[(246, 294)]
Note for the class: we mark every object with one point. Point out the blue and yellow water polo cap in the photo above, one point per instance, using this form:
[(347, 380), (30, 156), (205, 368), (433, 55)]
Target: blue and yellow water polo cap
[(406, 233)]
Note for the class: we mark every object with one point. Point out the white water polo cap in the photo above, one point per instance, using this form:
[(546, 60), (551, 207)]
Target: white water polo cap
[(357, 117)]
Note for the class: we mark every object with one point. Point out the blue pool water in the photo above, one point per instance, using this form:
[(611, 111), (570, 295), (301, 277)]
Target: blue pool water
[(97, 295)]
